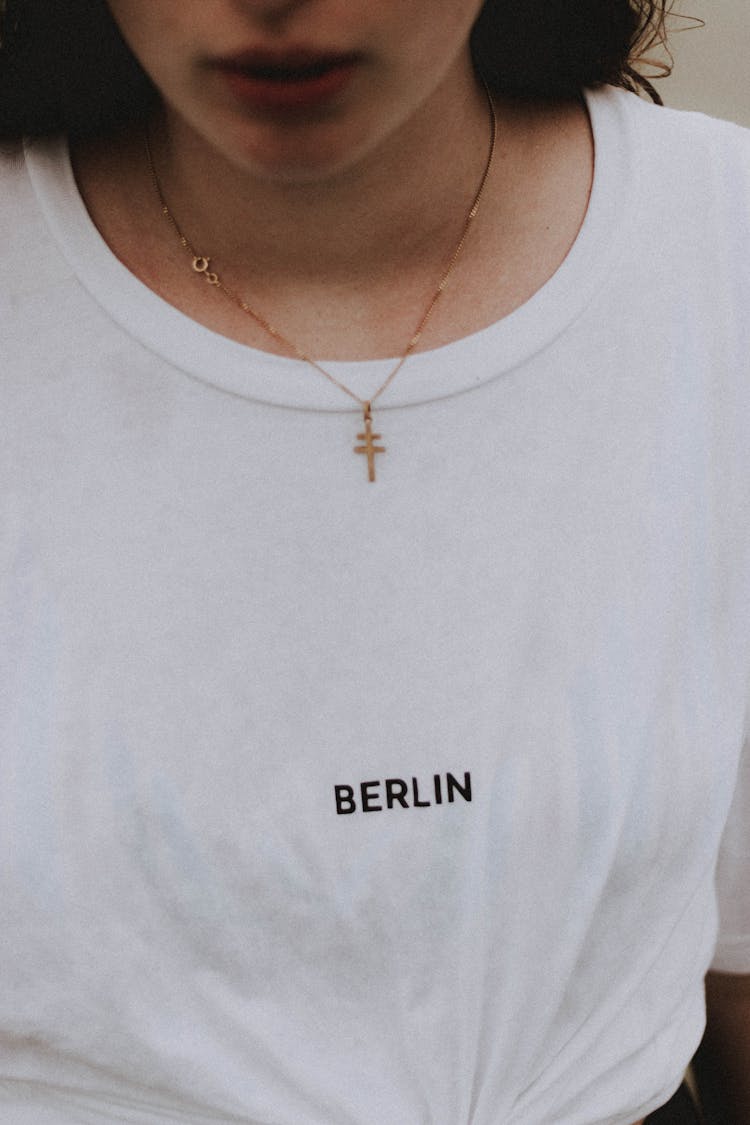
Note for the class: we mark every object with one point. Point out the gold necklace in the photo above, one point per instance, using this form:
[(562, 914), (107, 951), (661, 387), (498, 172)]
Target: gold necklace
[(201, 266)]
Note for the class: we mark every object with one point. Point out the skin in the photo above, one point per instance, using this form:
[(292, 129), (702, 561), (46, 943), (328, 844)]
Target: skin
[(338, 223), (387, 91), (723, 1062)]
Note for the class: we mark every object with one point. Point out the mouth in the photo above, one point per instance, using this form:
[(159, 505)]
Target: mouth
[(289, 81)]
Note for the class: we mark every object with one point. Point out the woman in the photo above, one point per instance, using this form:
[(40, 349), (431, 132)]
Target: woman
[(376, 554)]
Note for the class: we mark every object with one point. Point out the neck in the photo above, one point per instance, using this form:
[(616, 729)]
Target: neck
[(400, 206)]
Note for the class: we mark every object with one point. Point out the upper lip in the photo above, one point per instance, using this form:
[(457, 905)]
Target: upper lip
[(290, 58)]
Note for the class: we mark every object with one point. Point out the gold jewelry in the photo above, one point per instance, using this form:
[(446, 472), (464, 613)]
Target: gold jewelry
[(201, 266)]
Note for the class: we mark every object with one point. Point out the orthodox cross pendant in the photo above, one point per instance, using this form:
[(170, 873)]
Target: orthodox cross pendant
[(369, 449)]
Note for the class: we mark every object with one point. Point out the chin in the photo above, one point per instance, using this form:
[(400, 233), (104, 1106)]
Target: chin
[(305, 161), (297, 173)]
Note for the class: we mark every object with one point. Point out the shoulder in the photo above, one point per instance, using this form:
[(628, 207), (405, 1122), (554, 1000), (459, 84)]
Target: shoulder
[(13, 178), (28, 172), (684, 148), (684, 180), (18, 202), (678, 124), (29, 177)]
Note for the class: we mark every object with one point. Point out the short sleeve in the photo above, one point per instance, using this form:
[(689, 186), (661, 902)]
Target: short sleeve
[(732, 953)]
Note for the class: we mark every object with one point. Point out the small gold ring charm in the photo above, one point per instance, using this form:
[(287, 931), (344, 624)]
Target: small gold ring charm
[(200, 264), (211, 278)]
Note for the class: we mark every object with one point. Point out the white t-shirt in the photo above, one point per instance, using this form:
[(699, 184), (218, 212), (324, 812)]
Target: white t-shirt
[(326, 802)]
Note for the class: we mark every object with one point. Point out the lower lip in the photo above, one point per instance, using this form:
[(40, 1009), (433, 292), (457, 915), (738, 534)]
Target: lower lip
[(290, 94)]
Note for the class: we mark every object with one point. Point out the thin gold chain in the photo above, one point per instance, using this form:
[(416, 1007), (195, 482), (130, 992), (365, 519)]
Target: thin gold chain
[(201, 265)]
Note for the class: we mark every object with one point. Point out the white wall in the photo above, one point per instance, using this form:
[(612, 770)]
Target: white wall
[(711, 64)]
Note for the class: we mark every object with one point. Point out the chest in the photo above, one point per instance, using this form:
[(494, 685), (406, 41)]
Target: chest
[(539, 624)]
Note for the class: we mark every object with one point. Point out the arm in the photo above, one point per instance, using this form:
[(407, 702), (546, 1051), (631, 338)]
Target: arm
[(722, 1065)]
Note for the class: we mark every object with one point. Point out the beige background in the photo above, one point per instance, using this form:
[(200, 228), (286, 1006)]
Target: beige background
[(711, 64)]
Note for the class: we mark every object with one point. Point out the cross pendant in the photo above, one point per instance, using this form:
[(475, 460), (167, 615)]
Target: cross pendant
[(369, 449)]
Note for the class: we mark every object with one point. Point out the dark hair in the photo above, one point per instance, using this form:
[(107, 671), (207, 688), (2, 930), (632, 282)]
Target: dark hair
[(64, 66)]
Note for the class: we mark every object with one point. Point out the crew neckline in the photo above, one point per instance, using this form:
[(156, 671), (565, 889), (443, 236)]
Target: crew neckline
[(462, 365)]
